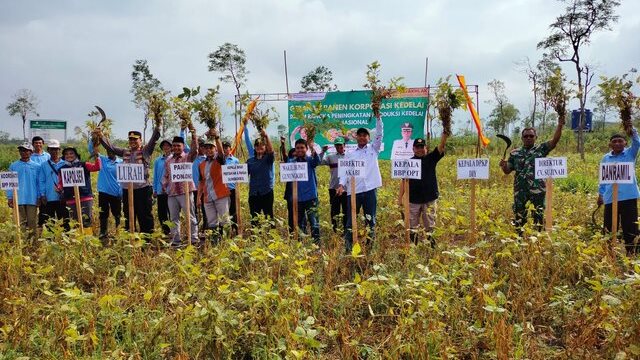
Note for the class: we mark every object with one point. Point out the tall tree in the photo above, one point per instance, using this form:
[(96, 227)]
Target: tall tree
[(504, 112), (570, 32), (318, 80), (143, 86), (230, 60), (24, 103)]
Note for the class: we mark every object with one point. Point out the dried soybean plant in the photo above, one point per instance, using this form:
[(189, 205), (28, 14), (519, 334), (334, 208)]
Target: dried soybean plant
[(380, 92), (616, 91), (447, 100), (558, 94)]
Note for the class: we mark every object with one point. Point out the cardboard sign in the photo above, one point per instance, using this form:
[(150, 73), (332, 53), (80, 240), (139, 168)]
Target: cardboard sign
[(295, 171), (72, 177), (130, 173), (406, 169), (616, 173), (473, 169), (235, 173), (348, 168), (181, 172), (551, 168), (8, 180)]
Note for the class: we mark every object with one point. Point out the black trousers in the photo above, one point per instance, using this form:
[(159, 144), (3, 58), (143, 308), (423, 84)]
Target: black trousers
[(201, 215), (338, 207), (232, 210), (163, 212), (141, 208), (261, 204), (54, 210), (109, 204), (627, 219)]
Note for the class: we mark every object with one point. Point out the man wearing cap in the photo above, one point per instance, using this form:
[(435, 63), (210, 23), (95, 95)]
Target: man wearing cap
[(403, 148), (423, 192), (142, 192), (158, 191), (261, 177), (39, 156), (526, 188), (367, 185), (176, 190), (231, 160), (50, 205), (308, 190), (338, 202), (109, 189), (628, 194), (212, 190), (27, 170)]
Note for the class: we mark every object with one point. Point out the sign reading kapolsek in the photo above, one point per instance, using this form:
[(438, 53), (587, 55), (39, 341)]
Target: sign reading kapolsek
[(181, 172), (473, 169), (235, 173), (355, 168), (551, 168), (72, 177), (616, 173), (296, 171), (8, 180), (406, 169), (130, 173)]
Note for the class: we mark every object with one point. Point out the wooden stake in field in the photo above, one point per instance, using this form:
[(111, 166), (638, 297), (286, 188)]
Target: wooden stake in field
[(548, 212), (473, 169), (236, 174), (132, 216), (294, 196), (187, 205), (614, 213), (76, 195), (74, 177), (547, 169), (16, 211), (354, 212), (294, 172), (238, 212), (407, 212), (615, 174), (472, 211)]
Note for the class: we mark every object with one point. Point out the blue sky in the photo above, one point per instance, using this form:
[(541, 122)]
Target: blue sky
[(74, 54)]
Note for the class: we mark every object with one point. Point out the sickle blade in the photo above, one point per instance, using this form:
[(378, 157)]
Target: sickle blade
[(104, 116)]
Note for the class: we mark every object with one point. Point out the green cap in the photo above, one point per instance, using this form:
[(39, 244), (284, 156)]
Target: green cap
[(339, 141)]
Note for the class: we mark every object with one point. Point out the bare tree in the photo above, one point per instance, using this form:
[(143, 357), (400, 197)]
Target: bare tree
[(24, 103), (533, 75), (230, 60), (143, 86), (570, 32)]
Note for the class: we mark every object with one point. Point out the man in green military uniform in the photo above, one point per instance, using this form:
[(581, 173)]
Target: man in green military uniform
[(526, 188)]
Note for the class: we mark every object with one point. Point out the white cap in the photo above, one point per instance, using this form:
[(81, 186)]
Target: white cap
[(53, 143)]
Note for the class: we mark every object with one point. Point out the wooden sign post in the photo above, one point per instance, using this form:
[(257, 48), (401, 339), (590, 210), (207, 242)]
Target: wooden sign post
[(549, 169), (236, 174), (74, 177), (406, 169), (294, 172), (130, 174), (9, 182), (183, 173), (352, 169), (615, 174), (473, 169)]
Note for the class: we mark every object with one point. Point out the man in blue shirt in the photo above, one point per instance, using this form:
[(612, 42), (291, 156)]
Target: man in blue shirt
[(261, 177), (39, 156), (158, 191), (627, 193), (231, 160), (308, 190), (109, 189), (27, 171), (50, 205)]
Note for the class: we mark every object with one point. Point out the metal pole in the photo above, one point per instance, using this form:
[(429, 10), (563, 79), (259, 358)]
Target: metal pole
[(286, 74), (426, 70)]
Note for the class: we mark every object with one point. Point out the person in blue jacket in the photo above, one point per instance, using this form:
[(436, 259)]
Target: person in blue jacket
[(627, 193), (109, 189), (27, 170), (308, 190), (260, 167), (50, 205), (158, 191)]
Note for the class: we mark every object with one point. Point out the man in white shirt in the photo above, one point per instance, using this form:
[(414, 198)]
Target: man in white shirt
[(403, 148), (366, 186)]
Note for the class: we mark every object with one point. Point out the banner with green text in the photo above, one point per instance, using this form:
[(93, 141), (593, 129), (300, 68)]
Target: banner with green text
[(402, 115)]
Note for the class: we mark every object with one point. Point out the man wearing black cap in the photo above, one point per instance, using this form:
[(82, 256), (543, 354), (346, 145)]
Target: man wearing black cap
[(142, 192), (158, 191), (366, 186), (403, 148), (423, 192)]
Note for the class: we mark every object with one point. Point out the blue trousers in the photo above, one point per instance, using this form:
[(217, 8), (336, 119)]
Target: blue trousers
[(308, 211), (368, 201)]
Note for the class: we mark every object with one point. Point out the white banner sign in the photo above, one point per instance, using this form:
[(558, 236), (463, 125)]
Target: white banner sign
[(8, 180), (181, 172), (616, 173), (295, 171), (72, 177), (406, 169), (473, 169), (551, 168), (235, 173), (130, 173), (350, 168)]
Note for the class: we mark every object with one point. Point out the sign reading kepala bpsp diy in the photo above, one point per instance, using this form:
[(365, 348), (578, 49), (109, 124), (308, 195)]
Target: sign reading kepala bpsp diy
[(473, 169)]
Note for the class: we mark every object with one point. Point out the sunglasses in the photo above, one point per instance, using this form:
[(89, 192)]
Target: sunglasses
[(528, 136)]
